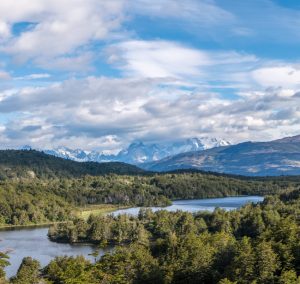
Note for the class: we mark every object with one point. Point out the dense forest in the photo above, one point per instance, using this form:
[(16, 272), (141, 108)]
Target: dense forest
[(35, 201), (37, 188), (255, 244), (29, 164), (31, 203)]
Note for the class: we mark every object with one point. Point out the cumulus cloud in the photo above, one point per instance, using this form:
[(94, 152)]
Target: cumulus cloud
[(91, 111), (159, 89), (278, 76), (219, 68), (56, 28)]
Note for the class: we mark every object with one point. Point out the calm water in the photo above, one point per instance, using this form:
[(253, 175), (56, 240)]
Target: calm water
[(227, 203), (35, 243)]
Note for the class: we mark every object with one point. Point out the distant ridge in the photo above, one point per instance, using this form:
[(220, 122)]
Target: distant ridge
[(274, 158), (31, 164), (292, 139)]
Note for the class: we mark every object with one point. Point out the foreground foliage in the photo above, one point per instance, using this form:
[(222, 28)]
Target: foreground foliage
[(256, 244)]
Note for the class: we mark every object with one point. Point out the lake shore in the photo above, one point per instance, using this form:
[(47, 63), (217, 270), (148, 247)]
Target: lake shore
[(81, 212), (99, 209)]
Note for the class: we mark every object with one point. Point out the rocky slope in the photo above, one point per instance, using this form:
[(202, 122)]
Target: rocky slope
[(279, 157)]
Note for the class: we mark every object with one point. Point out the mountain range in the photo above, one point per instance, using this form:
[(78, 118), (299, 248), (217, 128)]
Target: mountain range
[(138, 152), (274, 158)]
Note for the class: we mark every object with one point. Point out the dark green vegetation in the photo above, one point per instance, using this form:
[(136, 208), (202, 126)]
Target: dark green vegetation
[(3, 263), (25, 204), (35, 201), (255, 244), (17, 164), (38, 188), (28, 272)]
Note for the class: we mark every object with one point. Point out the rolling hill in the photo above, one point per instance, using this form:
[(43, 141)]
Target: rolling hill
[(31, 163)]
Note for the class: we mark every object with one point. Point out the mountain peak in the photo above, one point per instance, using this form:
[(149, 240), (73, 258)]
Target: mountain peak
[(279, 157), (139, 152)]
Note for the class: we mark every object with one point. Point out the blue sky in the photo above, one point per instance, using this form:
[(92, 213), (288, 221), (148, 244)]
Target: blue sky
[(100, 74)]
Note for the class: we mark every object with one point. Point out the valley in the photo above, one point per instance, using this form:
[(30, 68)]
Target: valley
[(59, 187), (182, 212)]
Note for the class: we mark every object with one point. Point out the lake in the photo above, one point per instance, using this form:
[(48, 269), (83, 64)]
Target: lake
[(194, 205), (35, 243)]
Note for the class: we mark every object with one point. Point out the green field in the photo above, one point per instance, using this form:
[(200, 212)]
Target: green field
[(85, 212)]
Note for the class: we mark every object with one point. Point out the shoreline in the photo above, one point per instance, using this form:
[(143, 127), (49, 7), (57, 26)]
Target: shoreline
[(99, 209), (84, 212), (40, 225)]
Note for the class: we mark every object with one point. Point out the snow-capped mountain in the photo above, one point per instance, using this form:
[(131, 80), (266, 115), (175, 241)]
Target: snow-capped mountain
[(194, 144), (139, 152), (272, 158), (80, 155), (64, 152)]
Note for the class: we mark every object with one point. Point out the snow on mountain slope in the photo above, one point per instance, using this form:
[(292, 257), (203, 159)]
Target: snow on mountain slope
[(273, 158), (140, 152)]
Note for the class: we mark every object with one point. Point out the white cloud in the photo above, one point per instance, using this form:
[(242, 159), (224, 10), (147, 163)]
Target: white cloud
[(277, 76), (4, 31), (166, 89), (157, 59), (59, 27), (34, 76), (85, 113), (167, 59)]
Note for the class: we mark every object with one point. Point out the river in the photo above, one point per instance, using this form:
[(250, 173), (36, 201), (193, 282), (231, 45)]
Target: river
[(35, 243)]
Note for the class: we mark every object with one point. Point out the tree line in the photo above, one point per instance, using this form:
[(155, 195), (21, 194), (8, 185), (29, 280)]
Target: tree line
[(35, 201)]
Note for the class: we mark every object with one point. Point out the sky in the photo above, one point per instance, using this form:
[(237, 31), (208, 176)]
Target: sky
[(99, 74)]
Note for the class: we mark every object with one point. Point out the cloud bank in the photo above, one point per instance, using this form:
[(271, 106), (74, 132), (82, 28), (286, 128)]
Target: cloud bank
[(99, 74)]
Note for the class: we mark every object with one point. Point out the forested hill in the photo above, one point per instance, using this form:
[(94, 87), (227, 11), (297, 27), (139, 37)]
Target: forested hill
[(31, 163), (37, 188)]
